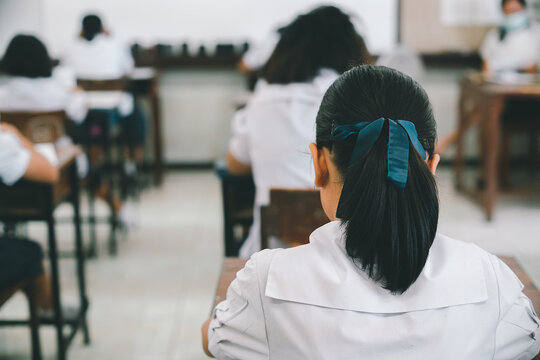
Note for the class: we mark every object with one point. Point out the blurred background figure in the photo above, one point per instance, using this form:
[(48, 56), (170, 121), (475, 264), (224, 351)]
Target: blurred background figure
[(515, 45), (311, 53)]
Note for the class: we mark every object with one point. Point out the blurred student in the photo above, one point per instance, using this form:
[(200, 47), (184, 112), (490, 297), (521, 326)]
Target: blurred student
[(378, 281), (515, 45), (96, 55), (21, 260), (270, 136), (34, 86)]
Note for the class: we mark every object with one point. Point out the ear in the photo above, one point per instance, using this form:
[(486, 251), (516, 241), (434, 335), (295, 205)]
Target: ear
[(320, 164), (432, 162)]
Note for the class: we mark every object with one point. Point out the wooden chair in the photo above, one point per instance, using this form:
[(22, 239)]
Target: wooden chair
[(238, 195), (33, 321), (119, 84), (38, 126), (291, 216)]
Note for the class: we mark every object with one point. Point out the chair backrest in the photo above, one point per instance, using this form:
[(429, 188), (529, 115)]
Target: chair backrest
[(291, 216), (103, 85), (37, 126)]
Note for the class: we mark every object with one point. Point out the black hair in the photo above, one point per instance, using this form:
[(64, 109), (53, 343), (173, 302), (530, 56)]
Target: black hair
[(388, 231), (91, 26), (522, 2), (27, 56), (322, 38)]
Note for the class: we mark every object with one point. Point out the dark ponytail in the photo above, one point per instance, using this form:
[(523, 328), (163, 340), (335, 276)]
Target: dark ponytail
[(91, 26), (388, 230)]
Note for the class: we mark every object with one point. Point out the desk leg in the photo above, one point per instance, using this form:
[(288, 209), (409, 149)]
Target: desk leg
[(79, 251), (491, 135), (55, 280), (158, 147)]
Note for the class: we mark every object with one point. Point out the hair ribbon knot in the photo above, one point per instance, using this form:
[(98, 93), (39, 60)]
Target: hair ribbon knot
[(399, 134)]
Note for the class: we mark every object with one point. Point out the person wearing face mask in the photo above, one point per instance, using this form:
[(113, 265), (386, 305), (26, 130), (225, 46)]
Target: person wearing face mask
[(515, 45)]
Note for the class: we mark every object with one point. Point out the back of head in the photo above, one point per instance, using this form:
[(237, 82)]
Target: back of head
[(323, 38), (27, 56), (91, 26), (389, 230)]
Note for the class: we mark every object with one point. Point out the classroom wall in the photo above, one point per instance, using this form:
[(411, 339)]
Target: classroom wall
[(423, 29), (18, 16), (205, 21)]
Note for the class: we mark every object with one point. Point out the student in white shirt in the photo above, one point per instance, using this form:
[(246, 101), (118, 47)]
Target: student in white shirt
[(21, 259), (96, 55), (270, 136), (515, 45), (378, 281), (34, 85)]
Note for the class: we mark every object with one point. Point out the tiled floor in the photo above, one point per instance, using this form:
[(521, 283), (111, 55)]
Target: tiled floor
[(150, 300)]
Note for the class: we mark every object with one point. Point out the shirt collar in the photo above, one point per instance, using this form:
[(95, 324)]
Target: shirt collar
[(320, 273)]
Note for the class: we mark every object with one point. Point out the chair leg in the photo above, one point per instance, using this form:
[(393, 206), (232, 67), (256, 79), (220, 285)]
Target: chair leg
[(505, 160), (34, 321), (92, 251), (533, 152)]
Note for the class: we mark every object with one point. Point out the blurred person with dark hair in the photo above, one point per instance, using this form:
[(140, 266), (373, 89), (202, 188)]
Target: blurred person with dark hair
[(270, 136), (515, 45), (96, 55)]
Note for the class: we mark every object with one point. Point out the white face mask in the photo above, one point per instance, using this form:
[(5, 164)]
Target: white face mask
[(515, 21)]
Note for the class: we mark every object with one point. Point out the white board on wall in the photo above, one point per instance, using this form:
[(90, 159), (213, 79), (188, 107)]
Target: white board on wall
[(470, 12), (204, 21)]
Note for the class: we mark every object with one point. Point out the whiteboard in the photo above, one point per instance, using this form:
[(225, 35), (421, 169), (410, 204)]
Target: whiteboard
[(470, 12), (205, 22)]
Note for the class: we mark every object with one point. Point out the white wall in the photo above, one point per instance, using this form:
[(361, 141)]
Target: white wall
[(18, 16), (203, 21)]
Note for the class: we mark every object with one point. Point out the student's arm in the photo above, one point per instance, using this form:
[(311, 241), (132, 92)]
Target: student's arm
[(205, 337), (237, 167), (39, 169)]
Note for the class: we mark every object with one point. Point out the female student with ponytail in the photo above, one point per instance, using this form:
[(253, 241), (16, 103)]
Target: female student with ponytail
[(378, 281)]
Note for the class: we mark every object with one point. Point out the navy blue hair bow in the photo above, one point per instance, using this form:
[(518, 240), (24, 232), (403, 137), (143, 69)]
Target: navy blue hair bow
[(399, 134)]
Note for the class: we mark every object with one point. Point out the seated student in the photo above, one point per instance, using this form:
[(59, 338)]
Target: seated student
[(514, 46), (35, 86), (97, 56), (21, 259), (378, 281), (270, 136)]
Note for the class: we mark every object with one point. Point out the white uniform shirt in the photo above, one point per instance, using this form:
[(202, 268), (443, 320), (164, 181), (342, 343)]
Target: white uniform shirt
[(272, 134), (519, 49), (101, 58), (44, 94), (14, 158), (312, 302)]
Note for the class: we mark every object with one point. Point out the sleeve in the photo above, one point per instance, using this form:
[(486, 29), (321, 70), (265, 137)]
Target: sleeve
[(238, 328), (77, 106), (14, 158), (239, 143), (518, 334), (126, 59)]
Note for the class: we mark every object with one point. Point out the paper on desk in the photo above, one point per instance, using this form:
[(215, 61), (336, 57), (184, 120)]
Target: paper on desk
[(511, 78), (48, 151)]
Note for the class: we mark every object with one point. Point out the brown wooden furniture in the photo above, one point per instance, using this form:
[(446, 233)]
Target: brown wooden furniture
[(31, 201), (238, 196), (103, 85), (38, 126), (291, 216), (481, 104)]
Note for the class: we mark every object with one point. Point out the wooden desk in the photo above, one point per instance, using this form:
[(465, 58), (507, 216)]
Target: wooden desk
[(31, 201), (232, 265), (482, 103)]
